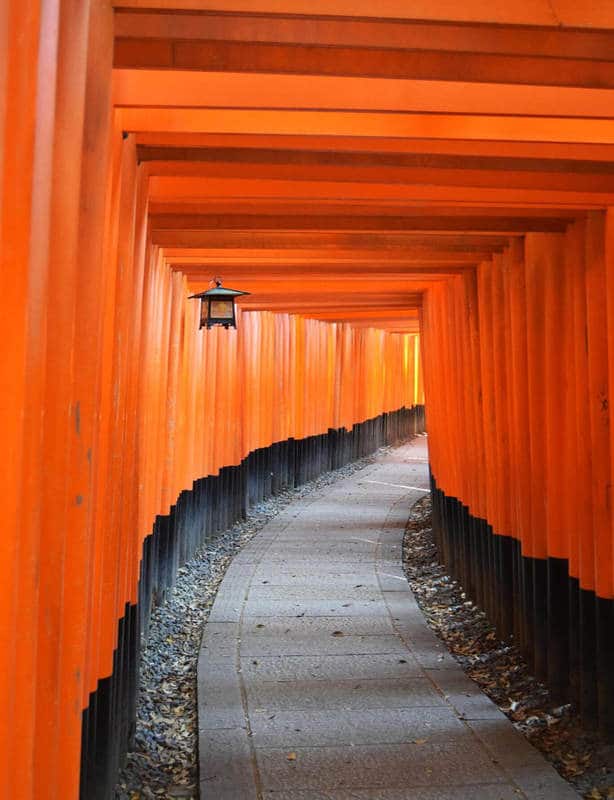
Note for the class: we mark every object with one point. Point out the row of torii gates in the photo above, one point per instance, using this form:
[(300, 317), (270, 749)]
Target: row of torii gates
[(418, 199)]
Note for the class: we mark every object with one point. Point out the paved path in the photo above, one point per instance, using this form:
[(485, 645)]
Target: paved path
[(319, 679)]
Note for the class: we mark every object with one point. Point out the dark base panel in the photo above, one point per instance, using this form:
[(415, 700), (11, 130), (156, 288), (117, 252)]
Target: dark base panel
[(212, 505), (566, 633)]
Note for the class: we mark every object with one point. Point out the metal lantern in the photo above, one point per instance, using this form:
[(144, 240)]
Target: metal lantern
[(217, 306)]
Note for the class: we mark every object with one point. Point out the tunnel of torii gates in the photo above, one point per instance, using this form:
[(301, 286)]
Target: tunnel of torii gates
[(431, 187)]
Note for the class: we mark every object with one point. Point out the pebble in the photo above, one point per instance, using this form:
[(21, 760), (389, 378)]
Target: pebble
[(163, 763)]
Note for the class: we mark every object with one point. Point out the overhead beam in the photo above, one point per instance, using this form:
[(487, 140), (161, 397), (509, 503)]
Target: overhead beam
[(580, 151), (545, 180), (305, 259), (182, 189), (343, 287), (203, 89), (340, 240), (282, 207), (441, 224), (201, 269), (357, 123), (548, 13), (249, 156), (402, 244), (361, 33), (300, 302), (417, 64)]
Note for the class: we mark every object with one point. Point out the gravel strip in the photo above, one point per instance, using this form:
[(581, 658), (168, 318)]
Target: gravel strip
[(164, 762), (498, 667)]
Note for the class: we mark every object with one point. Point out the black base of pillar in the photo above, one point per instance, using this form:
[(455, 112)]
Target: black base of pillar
[(565, 632)]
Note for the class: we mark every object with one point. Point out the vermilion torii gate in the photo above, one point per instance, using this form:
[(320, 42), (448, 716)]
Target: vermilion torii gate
[(382, 186)]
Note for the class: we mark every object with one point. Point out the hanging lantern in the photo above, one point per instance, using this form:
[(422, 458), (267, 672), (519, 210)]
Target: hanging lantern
[(217, 306)]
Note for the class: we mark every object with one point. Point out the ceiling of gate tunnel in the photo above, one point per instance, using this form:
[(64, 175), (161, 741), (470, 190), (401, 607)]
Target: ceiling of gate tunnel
[(338, 164)]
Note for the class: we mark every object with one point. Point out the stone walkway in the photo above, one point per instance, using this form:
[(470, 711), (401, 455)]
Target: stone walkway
[(320, 680)]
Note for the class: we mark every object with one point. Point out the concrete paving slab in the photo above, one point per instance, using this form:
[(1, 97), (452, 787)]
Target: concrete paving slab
[(316, 627), (357, 727), (331, 668), (319, 678), (219, 642), (467, 792), (226, 767), (314, 607), (466, 696), (278, 573), (507, 745), (305, 645), (404, 610), (393, 581), (313, 578), (325, 592), (542, 782), (221, 704), (391, 693), (378, 766)]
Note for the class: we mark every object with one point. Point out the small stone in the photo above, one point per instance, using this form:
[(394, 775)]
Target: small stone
[(182, 791)]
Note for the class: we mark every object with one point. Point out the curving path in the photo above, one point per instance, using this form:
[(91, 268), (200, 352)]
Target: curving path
[(319, 679)]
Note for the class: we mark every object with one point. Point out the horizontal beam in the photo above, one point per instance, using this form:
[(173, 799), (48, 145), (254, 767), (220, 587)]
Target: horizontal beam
[(317, 259), (356, 123), (357, 210), (384, 33), (298, 306), (548, 13), (401, 315), (250, 156), (392, 326), (382, 244), (202, 89), (442, 224), (205, 271), (417, 64), (359, 239), (182, 189), (341, 287), (380, 144), (456, 176)]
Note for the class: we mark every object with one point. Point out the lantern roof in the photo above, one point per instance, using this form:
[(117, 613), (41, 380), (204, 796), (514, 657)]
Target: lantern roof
[(218, 291)]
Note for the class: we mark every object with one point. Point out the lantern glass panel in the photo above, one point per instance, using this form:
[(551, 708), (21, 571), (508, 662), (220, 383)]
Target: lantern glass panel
[(203, 313), (221, 309)]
